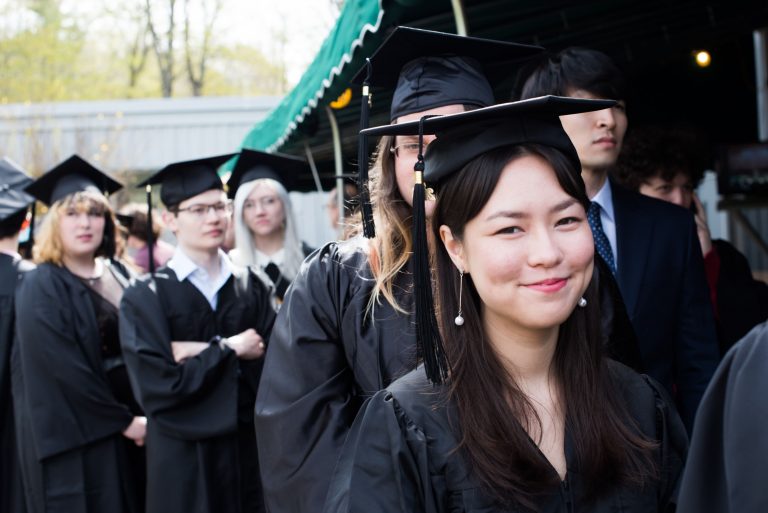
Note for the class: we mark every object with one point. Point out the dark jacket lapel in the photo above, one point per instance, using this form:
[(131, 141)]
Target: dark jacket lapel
[(634, 239)]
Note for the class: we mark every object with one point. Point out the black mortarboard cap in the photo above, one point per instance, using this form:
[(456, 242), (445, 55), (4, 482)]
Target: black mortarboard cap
[(462, 137), (428, 70), (183, 180), (13, 180), (432, 69), (286, 169), (73, 175), (459, 139)]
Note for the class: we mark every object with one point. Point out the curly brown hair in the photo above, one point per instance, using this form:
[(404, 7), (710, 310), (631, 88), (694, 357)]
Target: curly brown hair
[(652, 151)]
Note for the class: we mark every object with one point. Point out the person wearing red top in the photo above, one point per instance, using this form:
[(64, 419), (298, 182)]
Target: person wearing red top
[(664, 163)]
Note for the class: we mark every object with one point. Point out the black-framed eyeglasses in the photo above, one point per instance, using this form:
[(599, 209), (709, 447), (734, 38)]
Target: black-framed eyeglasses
[(221, 208)]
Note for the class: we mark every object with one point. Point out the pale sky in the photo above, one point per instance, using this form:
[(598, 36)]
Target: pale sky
[(303, 23)]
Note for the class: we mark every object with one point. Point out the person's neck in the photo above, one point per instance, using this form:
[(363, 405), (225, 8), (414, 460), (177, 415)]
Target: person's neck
[(594, 179), (10, 244), (270, 244), (207, 259), (81, 265), (527, 353)]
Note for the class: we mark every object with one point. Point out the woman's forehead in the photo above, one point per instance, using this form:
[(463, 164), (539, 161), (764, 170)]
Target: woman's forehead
[(84, 201), (261, 189)]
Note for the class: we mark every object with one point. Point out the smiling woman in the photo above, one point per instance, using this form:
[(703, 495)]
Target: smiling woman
[(529, 257), (529, 414)]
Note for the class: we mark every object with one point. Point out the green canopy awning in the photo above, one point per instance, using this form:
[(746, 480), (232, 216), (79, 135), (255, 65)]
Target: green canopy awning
[(357, 19), (651, 42)]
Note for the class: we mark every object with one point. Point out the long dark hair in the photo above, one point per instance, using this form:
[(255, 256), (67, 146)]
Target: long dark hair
[(491, 409)]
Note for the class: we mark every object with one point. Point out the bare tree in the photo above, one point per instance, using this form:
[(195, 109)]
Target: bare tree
[(163, 46), (137, 54), (196, 70)]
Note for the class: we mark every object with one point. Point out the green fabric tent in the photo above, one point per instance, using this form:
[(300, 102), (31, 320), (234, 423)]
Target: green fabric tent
[(358, 19)]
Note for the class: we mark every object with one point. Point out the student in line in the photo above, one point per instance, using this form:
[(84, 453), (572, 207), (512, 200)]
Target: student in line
[(80, 429), (519, 409), (194, 336)]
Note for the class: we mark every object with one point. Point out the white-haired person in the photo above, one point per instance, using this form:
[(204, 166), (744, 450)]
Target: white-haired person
[(266, 233)]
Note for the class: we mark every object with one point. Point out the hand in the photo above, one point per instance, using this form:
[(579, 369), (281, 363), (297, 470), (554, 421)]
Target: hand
[(248, 345), (702, 229), (185, 350), (137, 430)]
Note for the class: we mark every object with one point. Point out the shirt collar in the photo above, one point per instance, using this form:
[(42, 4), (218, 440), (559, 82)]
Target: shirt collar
[(604, 198), (262, 259), (183, 266)]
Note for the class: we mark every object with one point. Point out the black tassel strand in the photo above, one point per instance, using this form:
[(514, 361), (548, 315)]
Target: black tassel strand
[(150, 233), (369, 230), (428, 340)]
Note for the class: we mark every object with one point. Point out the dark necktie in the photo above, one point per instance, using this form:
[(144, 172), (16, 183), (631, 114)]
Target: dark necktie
[(280, 283), (601, 240)]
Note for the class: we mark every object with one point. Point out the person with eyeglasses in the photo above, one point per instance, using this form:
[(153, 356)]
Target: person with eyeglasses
[(194, 334), (345, 329), (518, 406)]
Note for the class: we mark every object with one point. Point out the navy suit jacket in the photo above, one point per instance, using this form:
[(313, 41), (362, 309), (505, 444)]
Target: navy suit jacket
[(661, 276)]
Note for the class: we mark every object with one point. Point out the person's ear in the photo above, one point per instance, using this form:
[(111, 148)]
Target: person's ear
[(454, 247), (169, 219)]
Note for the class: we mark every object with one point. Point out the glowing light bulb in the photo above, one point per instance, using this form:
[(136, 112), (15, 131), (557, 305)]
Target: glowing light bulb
[(703, 58)]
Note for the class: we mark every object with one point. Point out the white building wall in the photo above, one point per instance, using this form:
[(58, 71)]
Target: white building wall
[(129, 136)]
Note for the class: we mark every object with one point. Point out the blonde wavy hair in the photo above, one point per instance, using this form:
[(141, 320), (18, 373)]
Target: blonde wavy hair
[(393, 245), (48, 247)]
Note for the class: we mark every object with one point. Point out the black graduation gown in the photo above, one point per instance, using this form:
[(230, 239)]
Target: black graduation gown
[(201, 449), (329, 353), (728, 460), (69, 422), (400, 456), (11, 493)]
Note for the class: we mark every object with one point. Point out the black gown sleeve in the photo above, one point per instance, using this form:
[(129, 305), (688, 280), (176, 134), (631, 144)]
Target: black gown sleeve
[(306, 402), (191, 401), (672, 439), (67, 393), (728, 460), (384, 467)]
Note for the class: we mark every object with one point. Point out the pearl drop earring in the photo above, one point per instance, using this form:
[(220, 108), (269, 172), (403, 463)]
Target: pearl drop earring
[(459, 320)]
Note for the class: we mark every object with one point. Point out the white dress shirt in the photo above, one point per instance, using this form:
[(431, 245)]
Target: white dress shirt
[(604, 198), (209, 286)]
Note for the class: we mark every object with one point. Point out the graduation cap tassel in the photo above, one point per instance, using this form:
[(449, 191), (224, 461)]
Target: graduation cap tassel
[(428, 340), (150, 233), (369, 230), (31, 238)]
